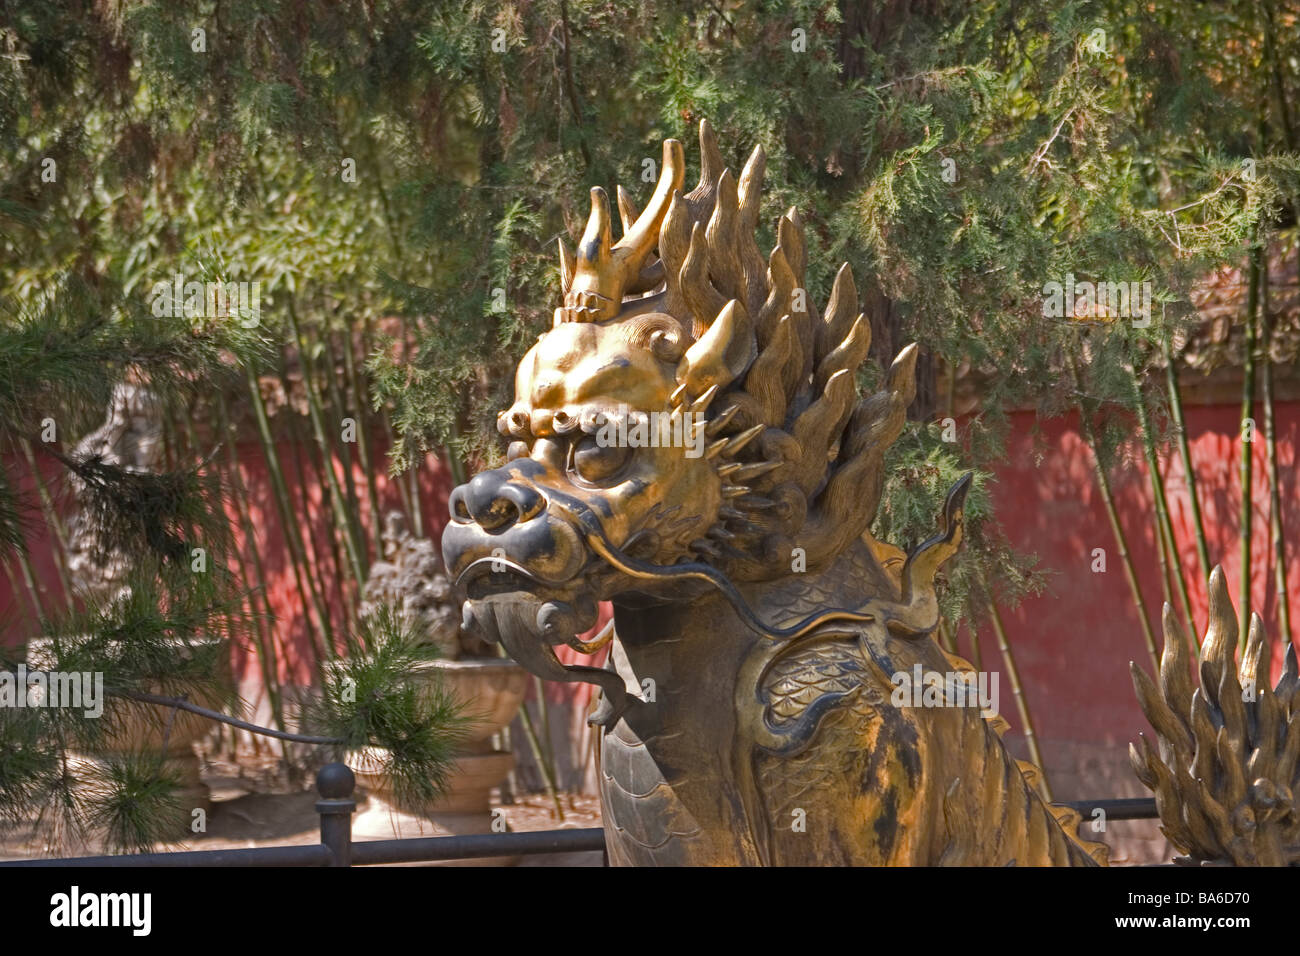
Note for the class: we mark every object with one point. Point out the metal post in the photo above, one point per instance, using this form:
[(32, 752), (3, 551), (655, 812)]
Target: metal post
[(335, 783)]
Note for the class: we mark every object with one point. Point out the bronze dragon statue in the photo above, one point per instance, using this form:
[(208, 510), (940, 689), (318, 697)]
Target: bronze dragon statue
[(688, 442)]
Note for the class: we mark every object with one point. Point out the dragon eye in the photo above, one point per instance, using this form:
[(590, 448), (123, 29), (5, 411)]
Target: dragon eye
[(594, 463)]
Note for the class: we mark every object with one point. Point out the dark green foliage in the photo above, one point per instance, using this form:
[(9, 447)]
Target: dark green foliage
[(373, 698), (134, 800), (28, 765)]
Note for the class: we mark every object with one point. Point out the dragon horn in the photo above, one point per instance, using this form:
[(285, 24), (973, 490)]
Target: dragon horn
[(605, 269), (595, 246), (627, 213), (639, 238), (566, 267)]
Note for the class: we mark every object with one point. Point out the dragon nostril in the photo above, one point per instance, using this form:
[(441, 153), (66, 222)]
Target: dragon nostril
[(479, 500), (456, 505), (528, 503), (499, 514), (493, 502), (513, 503)]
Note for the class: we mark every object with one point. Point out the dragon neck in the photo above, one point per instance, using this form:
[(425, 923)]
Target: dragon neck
[(686, 660)]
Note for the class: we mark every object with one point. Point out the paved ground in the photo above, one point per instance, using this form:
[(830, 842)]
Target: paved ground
[(240, 818)]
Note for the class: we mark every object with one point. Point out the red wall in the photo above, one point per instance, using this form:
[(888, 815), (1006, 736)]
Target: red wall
[(291, 628), (1073, 643), (291, 632)]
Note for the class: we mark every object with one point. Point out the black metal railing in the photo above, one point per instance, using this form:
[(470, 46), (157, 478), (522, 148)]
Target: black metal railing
[(336, 785), (1127, 808)]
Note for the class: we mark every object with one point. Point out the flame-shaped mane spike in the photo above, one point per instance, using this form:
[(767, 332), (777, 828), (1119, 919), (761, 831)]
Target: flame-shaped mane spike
[(566, 267), (711, 164), (626, 209)]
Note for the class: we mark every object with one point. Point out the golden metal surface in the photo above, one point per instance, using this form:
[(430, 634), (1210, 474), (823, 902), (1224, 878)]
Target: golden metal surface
[(1225, 770), (759, 631)]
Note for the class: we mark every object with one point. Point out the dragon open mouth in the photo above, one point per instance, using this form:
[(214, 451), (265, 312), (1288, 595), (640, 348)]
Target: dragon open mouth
[(528, 615), (498, 575), (529, 625)]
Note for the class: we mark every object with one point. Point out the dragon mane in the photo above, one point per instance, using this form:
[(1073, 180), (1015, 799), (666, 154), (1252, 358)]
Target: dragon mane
[(799, 453)]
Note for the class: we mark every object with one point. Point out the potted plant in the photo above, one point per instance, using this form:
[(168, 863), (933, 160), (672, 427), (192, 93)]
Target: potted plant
[(412, 582)]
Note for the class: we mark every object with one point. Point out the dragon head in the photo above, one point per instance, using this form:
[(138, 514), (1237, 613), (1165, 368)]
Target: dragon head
[(687, 422)]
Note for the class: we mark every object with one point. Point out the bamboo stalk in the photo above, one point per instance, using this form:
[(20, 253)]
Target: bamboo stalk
[(325, 552), (263, 632), (510, 786), (389, 219), (946, 637), (1247, 447), (1163, 548), (58, 536), (1185, 454), (168, 444), (187, 452), (318, 428), (338, 524), (190, 449), (386, 425), (454, 462), (1276, 531), (1166, 542), (263, 635), (324, 557), (363, 445), (544, 765), (400, 481), (1018, 691), (544, 711), (345, 455), (33, 591), (322, 570), (1275, 74), (17, 590), (1176, 568), (1276, 534), (291, 531), (947, 633), (1121, 540), (417, 507), (413, 473), (976, 654), (548, 774), (1112, 514)]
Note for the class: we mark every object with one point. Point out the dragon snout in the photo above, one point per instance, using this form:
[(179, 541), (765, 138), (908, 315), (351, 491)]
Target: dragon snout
[(501, 515)]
